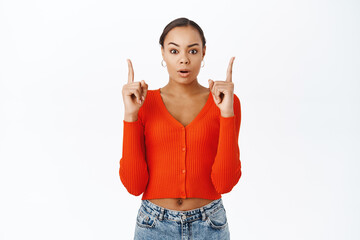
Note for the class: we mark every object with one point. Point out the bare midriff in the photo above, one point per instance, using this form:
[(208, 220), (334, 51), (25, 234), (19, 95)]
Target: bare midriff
[(181, 204)]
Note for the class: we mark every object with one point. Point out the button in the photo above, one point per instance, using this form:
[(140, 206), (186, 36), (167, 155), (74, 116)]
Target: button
[(183, 171), (183, 149), (183, 217)]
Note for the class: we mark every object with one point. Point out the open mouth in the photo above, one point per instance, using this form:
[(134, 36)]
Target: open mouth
[(184, 73)]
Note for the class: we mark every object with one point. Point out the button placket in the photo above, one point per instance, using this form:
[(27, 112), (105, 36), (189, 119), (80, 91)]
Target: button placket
[(183, 169)]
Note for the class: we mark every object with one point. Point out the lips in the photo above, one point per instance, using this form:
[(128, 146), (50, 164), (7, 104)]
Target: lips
[(184, 73), (184, 70)]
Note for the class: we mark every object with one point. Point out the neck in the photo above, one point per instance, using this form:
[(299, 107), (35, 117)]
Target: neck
[(182, 89)]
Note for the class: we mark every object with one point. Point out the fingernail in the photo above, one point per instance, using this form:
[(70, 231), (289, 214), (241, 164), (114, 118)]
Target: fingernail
[(142, 97)]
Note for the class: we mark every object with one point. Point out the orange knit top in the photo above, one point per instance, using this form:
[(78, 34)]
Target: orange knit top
[(163, 159)]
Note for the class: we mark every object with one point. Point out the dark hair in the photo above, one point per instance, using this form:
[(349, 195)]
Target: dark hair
[(180, 22)]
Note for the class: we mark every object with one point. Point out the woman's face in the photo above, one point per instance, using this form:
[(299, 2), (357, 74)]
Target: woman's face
[(183, 51)]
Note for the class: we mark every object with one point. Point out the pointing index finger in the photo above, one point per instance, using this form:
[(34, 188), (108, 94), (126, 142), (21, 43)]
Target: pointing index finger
[(229, 70), (131, 72)]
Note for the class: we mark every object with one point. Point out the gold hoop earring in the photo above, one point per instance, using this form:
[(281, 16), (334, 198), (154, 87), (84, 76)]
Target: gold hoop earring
[(203, 64), (162, 63)]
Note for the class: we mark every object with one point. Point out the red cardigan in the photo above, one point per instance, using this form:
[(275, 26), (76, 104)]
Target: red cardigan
[(163, 159)]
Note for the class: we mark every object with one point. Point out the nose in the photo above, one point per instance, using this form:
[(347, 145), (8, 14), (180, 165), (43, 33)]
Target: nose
[(184, 59)]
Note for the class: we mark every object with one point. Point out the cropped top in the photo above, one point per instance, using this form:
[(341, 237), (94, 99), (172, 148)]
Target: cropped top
[(161, 158)]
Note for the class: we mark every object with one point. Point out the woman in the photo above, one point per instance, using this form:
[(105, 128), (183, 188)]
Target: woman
[(180, 145)]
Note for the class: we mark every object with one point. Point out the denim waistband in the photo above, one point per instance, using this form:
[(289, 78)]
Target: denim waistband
[(190, 215)]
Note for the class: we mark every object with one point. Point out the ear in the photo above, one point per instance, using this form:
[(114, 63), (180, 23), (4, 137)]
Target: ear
[(162, 51), (204, 50)]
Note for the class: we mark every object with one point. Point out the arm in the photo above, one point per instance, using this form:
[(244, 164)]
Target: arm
[(133, 167), (226, 170)]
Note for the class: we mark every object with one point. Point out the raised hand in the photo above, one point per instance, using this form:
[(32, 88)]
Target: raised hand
[(223, 92), (134, 93)]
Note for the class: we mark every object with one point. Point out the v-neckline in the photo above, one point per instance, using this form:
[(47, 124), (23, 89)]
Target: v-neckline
[(198, 116)]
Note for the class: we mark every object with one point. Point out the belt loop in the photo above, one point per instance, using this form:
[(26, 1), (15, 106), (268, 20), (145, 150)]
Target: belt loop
[(203, 215), (161, 217)]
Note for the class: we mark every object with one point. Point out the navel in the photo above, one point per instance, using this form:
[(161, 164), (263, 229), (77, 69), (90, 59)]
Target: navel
[(180, 201)]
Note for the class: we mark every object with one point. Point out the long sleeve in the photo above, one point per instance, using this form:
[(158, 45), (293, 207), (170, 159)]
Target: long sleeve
[(133, 166), (226, 169)]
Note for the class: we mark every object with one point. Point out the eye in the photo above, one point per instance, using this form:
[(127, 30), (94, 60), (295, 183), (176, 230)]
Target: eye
[(194, 50), (172, 50)]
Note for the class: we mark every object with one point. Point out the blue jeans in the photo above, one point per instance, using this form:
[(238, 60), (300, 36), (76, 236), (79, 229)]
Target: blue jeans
[(207, 222)]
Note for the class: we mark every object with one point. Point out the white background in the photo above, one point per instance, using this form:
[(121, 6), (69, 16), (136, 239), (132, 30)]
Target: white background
[(296, 72)]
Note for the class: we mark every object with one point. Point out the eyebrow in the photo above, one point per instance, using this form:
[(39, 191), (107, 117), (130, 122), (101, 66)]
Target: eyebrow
[(194, 44)]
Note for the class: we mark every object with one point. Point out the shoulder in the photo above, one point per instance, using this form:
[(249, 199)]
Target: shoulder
[(236, 101), (152, 91), (150, 94), (150, 100), (237, 112), (237, 106)]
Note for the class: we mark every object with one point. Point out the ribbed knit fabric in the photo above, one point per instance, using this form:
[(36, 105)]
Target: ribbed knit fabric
[(163, 159)]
